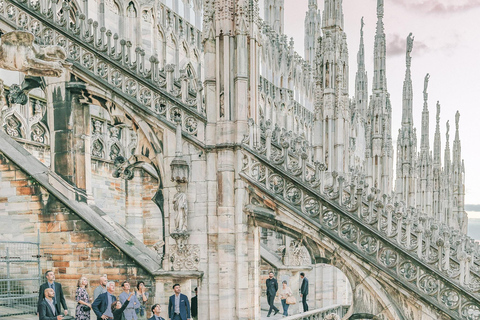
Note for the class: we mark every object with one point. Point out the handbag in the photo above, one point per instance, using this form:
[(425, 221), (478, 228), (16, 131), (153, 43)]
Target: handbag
[(85, 308), (291, 300)]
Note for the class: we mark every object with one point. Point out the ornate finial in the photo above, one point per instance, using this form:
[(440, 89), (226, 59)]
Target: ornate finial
[(380, 10), (361, 28), (448, 130), (438, 112), (410, 39), (457, 119), (425, 87)]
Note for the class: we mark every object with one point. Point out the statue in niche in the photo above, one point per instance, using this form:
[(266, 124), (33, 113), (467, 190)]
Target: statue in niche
[(327, 75), (222, 104), (180, 207), (18, 52)]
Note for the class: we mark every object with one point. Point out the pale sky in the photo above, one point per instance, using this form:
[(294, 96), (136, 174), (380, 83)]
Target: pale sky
[(447, 45)]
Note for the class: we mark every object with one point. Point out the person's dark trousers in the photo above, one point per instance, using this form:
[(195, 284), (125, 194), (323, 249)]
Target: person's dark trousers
[(304, 302), (176, 317), (285, 307), (270, 300)]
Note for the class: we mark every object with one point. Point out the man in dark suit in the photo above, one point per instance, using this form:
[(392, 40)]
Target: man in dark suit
[(46, 308), (304, 291), (102, 306), (195, 306), (58, 298), (178, 305), (272, 288), (156, 309)]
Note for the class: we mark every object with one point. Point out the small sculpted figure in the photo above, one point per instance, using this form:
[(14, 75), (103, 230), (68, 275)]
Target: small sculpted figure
[(180, 206)]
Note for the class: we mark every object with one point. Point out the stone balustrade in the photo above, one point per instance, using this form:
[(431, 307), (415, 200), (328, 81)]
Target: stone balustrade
[(282, 111), (326, 313), (278, 57)]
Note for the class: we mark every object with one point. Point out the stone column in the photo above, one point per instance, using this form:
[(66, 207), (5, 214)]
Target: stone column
[(69, 122)]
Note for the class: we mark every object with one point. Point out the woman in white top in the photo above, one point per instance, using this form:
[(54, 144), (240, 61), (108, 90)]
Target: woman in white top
[(284, 292)]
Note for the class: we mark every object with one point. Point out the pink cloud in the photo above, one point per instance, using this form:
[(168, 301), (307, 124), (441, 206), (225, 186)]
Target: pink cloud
[(440, 6), (396, 45)]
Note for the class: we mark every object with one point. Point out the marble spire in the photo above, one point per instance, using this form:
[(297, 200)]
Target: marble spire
[(313, 30), (380, 51), (424, 142), (333, 14), (437, 144), (361, 80), (407, 108)]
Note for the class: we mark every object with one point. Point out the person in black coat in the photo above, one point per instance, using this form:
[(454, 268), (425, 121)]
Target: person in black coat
[(59, 298), (156, 309), (304, 291), (272, 288), (194, 305), (117, 308), (46, 309)]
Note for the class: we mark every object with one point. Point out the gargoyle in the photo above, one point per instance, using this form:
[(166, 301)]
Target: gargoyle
[(18, 52)]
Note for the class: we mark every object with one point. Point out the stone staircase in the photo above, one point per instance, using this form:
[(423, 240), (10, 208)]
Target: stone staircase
[(437, 264)]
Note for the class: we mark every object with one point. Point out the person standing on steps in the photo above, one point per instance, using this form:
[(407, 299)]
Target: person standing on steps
[(304, 291), (272, 288)]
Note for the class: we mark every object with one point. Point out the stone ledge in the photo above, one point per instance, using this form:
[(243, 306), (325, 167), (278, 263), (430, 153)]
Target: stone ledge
[(187, 274)]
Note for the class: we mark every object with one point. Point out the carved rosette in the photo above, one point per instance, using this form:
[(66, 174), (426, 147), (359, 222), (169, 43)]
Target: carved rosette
[(184, 256)]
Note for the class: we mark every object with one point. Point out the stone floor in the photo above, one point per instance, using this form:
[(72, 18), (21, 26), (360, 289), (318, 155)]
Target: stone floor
[(34, 317)]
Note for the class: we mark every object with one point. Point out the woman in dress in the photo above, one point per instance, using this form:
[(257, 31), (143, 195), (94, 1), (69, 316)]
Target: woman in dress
[(284, 293), (142, 296), (83, 302)]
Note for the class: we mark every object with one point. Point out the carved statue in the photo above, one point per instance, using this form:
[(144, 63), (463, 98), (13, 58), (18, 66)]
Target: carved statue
[(180, 206), (18, 52), (425, 86), (410, 44)]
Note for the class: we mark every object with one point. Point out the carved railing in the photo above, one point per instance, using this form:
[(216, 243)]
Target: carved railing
[(283, 60), (438, 264), (322, 313), (281, 103), (110, 62)]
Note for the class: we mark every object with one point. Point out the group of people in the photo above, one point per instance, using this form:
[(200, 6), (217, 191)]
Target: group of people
[(285, 294), (106, 306)]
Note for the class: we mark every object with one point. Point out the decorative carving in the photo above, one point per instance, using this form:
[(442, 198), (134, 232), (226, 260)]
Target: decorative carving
[(13, 127), (16, 95), (97, 148), (185, 257), (298, 254), (19, 53), (38, 133)]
